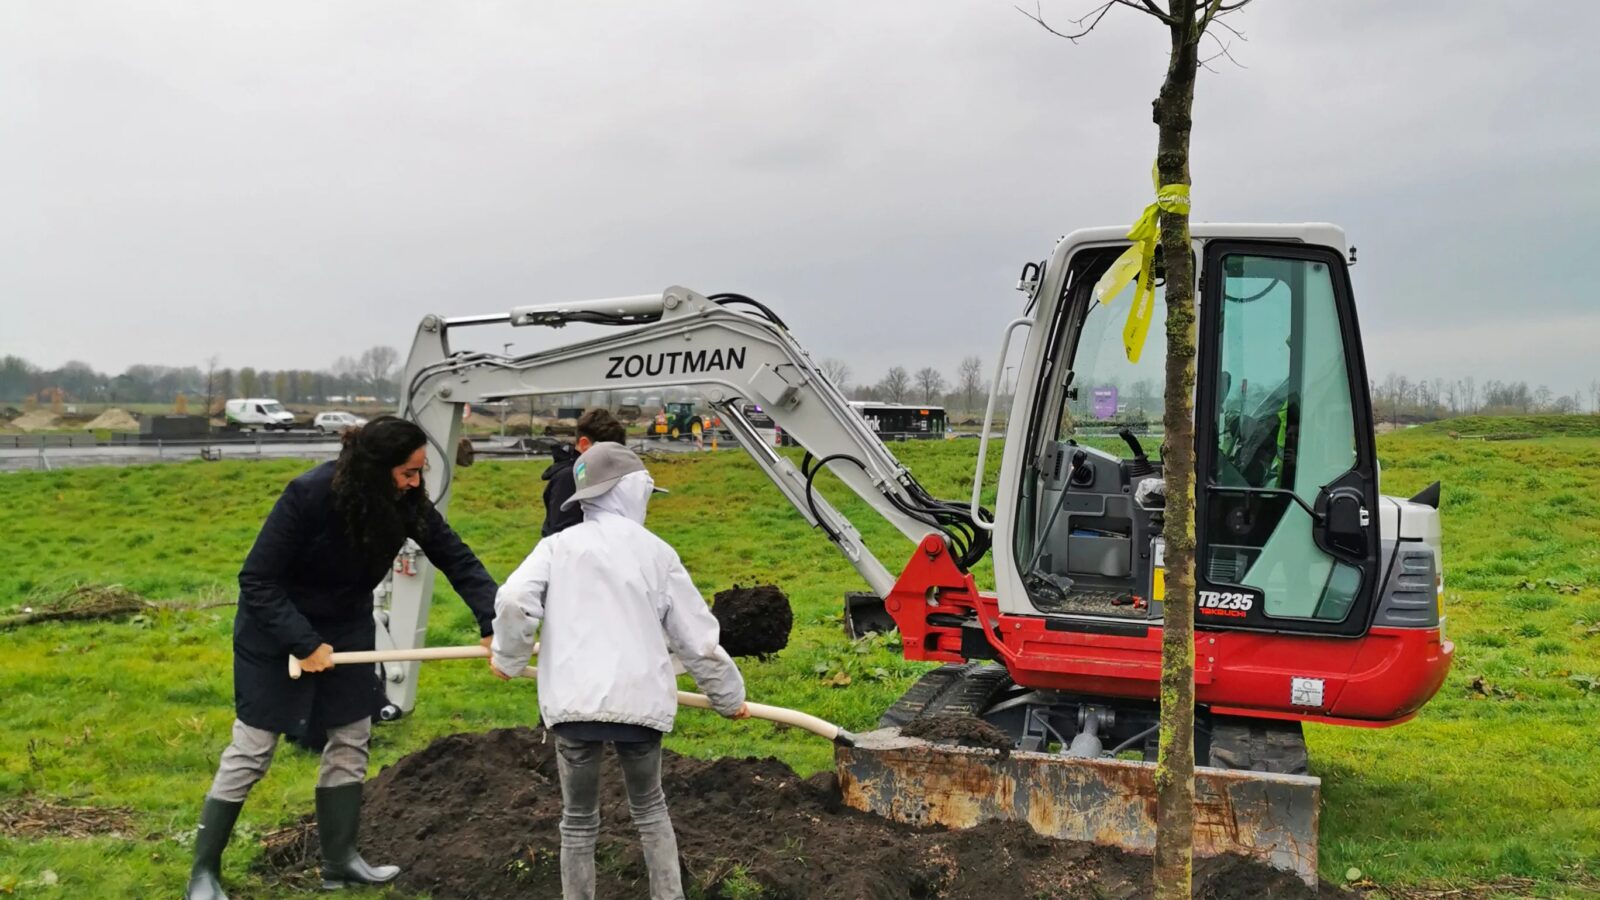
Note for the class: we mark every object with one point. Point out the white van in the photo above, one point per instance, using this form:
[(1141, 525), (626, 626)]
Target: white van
[(257, 413)]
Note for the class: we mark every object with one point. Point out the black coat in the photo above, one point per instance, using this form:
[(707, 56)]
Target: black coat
[(558, 488), (303, 585)]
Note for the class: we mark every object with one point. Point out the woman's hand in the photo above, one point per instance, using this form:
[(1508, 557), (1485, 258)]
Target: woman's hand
[(743, 713), (321, 659)]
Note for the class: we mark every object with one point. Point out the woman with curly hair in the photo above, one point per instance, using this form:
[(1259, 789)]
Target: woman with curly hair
[(306, 589)]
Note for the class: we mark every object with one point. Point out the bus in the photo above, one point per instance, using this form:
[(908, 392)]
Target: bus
[(902, 422)]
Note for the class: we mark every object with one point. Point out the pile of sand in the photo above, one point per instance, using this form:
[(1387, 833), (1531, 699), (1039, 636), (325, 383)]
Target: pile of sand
[(113, 420), (38, 420)]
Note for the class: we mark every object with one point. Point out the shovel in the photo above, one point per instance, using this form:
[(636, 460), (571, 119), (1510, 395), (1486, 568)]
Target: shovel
[(779, 714)]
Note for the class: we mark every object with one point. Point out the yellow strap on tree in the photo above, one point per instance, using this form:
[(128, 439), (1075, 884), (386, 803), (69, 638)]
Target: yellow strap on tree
[(1136, 262)]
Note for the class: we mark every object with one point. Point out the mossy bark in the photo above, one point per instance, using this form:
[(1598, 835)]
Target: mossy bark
[(1175, 762)]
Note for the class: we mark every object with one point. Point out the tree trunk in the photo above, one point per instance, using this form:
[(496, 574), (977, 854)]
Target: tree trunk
[(1174, 855)]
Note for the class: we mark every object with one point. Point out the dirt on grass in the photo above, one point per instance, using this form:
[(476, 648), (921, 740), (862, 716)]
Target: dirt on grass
[(30, 818), (755, 621), (477, 815), (81, 603)]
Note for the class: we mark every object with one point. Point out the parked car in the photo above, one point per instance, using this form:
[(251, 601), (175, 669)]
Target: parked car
[(257, 412), (336, 422)]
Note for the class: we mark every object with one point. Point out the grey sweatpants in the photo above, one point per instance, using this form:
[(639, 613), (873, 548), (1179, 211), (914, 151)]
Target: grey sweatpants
[(344, 759), (579, 764)]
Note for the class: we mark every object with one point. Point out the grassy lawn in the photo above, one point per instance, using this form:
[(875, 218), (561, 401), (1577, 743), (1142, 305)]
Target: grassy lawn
[(1489, 780)]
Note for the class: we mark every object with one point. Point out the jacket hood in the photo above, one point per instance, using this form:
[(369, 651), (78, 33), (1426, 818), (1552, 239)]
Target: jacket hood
[(629, 498), (561, 459)]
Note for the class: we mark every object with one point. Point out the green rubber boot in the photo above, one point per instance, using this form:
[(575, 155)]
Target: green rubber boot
[(216, 827), (338, 821)]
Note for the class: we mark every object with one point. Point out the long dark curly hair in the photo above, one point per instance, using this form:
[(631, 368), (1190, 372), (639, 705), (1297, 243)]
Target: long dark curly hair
[(377, 516)]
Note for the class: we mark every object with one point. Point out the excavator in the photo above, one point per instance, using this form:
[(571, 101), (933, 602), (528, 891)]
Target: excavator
[(1318, 599)]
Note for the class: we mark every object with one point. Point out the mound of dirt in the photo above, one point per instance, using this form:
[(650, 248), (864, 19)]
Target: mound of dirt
[(113, 420), (965, 731), (477, 815), (755, 621), (38, 420)]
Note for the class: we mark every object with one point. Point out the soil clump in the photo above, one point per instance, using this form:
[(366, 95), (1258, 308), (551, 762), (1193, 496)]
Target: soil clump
[(477, 815), (755, 621)]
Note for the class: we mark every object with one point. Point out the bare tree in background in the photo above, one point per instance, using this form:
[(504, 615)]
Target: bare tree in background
[(1594, 396), (894, 385), (377, 366), (929, 383), (1187, 22), (247, 381), (838, 372), (969, 382), (211, 383)]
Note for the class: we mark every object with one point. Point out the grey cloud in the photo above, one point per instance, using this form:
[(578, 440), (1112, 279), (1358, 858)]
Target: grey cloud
[(284, 183)]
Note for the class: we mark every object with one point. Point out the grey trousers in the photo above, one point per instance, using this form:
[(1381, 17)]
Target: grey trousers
[(579, 764), (344, 759)]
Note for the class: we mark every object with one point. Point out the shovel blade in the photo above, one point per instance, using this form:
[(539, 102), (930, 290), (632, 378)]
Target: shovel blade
[(1267, 817)]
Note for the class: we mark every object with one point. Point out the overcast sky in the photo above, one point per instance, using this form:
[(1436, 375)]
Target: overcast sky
[(281, 183)]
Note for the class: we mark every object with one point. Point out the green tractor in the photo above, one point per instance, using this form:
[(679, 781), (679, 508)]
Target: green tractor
[(679, 420)]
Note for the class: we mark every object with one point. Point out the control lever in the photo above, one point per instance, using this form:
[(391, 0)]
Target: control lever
[(1140, 464)]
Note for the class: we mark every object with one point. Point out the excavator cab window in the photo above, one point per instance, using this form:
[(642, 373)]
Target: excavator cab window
[(1283, 442), (1283, 436), (1085, 534)]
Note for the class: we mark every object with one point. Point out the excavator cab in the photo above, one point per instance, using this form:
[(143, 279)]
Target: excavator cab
[(1287, 496)]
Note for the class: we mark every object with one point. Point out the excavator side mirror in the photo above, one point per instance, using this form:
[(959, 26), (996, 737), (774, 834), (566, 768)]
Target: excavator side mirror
[(1344, 524)]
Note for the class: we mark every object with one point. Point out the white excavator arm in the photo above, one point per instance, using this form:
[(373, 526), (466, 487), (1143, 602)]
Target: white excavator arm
[(673, 339)]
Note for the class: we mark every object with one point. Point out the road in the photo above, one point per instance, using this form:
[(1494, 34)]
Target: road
[(27, 459)]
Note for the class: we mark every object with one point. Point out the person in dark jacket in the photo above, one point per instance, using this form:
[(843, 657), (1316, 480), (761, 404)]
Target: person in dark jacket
[(595, 426), (306, 590)]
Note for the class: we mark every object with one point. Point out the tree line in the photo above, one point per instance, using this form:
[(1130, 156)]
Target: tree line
[(967, 391), (371, 374), (1399, 399)]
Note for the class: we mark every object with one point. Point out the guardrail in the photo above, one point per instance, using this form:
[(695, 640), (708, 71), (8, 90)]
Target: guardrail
[(123, 439)]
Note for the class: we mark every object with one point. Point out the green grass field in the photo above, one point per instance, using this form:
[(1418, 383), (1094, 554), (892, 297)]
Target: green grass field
[(1491, 780)]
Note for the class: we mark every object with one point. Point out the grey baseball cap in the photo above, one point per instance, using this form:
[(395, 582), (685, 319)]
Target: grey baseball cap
[(600, 468)]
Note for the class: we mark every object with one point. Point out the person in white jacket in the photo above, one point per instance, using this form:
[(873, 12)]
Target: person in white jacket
[(612, 605)]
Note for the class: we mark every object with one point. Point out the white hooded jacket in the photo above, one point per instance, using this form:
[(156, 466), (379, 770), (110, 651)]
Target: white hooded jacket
[(611, 604)]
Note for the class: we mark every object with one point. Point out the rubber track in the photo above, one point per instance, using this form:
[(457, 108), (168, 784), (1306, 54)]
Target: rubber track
[(972, 694), (924, 692), (1258, 745), (953, 689)]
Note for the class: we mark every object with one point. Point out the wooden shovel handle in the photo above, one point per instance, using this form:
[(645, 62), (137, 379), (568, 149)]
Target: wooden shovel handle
[(779, 714)]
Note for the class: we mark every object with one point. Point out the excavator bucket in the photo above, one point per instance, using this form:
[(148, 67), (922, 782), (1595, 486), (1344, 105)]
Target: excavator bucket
[(1268, 817)]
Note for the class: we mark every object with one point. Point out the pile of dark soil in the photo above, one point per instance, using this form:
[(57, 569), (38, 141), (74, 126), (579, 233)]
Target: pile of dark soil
[(964, 731), (755, 621), (476, 815)]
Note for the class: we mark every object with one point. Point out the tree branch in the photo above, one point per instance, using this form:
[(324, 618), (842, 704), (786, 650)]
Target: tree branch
[(1234, 31), (1154, 10), (1222, 52), (1215, 8), (1097, 14)]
